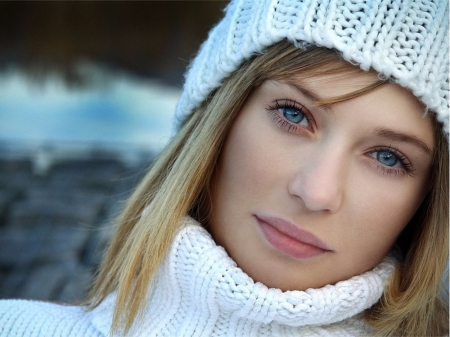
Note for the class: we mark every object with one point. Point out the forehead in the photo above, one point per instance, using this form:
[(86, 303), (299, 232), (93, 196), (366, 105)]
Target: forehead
[(334, 84)]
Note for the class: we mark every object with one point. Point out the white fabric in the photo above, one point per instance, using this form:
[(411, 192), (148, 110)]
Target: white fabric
[(406, 41), (201, 292)]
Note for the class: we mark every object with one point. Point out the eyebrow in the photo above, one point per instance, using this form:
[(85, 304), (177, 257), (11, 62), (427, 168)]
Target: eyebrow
[(308, 94), (403, 137), (381, 132)]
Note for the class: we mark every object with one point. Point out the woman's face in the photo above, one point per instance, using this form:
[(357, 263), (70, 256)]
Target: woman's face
[(305, 196)]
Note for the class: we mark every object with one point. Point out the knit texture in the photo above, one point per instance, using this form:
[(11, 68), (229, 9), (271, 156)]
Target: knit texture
[(405, 41), (201, 292), (21, 318)]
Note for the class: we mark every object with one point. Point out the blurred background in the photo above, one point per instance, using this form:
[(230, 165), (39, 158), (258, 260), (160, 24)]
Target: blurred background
[(87, 96)]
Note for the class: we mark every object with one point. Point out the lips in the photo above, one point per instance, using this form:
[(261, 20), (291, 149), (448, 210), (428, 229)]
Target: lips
[(290, 240)]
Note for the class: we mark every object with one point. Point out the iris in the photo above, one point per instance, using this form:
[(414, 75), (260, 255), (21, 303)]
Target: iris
[(387, 158), (293, 115)]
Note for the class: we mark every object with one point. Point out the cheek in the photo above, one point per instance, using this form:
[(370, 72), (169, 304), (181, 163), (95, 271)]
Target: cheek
[(248, 162), (373, 221), (384, 210)]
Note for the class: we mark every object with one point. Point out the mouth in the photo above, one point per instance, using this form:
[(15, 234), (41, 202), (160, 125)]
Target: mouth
[(290, 240)]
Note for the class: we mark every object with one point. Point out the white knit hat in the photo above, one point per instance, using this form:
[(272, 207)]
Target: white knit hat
[(405, 40)]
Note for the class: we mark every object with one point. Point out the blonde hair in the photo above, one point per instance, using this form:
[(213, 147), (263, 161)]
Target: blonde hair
[(178, 183), (415, 302)]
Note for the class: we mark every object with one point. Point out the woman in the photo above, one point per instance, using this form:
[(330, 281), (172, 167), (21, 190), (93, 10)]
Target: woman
[(313, 148)]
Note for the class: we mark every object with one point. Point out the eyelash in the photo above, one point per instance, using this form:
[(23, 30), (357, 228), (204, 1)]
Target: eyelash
[(282, 122), (407, 166)]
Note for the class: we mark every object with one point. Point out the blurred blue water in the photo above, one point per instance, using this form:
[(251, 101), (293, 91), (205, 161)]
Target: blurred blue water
[(114, 108)]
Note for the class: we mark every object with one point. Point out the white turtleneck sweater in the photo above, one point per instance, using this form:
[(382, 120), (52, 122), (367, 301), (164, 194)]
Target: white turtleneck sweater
[(201, 292)]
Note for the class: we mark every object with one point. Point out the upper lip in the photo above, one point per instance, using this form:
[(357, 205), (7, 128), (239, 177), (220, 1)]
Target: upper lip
[(293, 231)]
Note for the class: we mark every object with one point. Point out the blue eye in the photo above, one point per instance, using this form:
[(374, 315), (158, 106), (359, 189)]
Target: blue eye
[(292, 115), (392, 161), (387, 158)]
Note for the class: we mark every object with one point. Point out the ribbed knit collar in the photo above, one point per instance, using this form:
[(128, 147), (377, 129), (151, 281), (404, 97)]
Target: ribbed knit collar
[(200, 291)]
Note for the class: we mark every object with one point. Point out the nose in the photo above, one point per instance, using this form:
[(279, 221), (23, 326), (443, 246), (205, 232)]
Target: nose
[(320, 181)]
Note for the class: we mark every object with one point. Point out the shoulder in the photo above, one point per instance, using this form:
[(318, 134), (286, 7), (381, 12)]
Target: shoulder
[(33, 318)]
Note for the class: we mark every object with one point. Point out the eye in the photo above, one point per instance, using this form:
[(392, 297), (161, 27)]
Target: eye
[(293, 115), (387, 158), (392, 161), (290, 116), (292, 112)]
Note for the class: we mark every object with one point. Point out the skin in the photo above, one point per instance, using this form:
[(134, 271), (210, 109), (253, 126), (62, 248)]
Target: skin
[(324, 176)]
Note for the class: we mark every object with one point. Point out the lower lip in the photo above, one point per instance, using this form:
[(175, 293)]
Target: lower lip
[(288, 245)]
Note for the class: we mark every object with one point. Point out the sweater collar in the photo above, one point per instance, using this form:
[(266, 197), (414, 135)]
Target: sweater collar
[(199, 277)]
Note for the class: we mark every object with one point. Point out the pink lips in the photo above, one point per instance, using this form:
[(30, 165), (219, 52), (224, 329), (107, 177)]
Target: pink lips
[(289, 239)]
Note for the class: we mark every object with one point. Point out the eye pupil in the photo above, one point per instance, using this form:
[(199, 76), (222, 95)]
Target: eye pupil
[(387, 158), (293, 115)]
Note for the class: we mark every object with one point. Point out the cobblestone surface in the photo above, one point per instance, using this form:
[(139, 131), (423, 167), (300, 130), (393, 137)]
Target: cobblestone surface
[(55, 227)]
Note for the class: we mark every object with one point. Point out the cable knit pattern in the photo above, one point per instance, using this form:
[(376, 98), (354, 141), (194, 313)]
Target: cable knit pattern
[(200, 291), (406, 41), (20, 318)]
